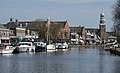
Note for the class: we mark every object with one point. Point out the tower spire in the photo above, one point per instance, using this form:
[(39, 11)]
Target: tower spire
[(102, 28), (102, 18)]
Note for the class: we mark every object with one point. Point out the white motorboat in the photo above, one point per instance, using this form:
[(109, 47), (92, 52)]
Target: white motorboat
[(7, 49), (51, 48), (25, 47), (112, 43), (61, 45)]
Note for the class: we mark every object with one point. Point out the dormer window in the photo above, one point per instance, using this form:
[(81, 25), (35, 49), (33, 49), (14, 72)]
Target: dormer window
[(21, 25), (26, 24)]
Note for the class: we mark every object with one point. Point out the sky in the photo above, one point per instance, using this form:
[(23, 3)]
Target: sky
[(77, 12)]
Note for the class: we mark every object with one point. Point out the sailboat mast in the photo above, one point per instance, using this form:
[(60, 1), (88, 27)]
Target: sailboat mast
[(48, 31)]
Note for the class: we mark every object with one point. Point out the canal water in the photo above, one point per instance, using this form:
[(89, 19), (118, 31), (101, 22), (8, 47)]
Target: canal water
[(75, 60)]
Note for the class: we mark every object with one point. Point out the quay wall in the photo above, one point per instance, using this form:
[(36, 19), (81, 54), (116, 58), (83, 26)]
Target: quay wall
[(72, 46)]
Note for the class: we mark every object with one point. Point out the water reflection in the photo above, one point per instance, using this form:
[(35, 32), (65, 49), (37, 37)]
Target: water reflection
[(77, 60)]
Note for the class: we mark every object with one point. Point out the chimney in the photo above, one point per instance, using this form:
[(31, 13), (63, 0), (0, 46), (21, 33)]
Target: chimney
[(16, 20), (10, 19)]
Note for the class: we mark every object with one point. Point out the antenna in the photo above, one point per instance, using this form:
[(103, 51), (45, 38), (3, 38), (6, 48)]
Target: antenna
[(102, 10), (10, 17)]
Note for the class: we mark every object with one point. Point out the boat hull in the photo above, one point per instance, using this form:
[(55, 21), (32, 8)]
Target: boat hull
[(114, 51), (40, 49), (6, 51), (25, 49), (51, 48)]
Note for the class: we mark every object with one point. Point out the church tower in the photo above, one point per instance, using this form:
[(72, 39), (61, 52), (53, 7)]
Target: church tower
[(102, 28)]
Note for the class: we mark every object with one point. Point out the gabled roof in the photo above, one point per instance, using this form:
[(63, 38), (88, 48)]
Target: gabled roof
[(93, 30), (76, 29), (61, 23), (26, 24), (3, 26), (12, 25), (73, 29), (111, 33)]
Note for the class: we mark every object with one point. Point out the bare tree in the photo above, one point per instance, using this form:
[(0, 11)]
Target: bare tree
[(40, 28), (116, 19), (54, 31), (116, 12)]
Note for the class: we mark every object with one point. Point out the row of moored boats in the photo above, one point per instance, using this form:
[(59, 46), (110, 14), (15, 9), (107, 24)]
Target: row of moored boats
[(32, 47), (112, 43)]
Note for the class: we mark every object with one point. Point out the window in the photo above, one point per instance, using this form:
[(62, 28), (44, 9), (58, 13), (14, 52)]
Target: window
[(11, 31), (4, 33), (66, 34), (73, 36), (92, 36)]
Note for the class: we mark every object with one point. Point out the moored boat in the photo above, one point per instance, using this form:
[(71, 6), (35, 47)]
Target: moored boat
[(61, 45), (25, 47), (112, 43), (115, 51), (51, 48), (7, 49), (40, 46), (40, 49)]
